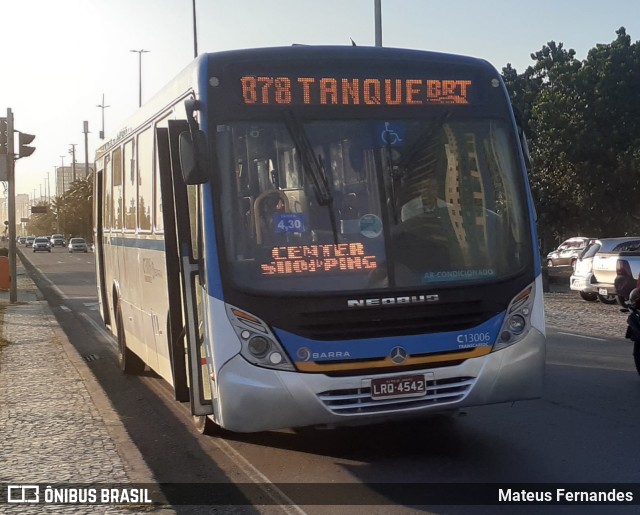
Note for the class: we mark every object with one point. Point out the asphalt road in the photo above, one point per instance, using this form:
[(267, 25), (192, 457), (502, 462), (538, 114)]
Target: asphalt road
[(584, 429)]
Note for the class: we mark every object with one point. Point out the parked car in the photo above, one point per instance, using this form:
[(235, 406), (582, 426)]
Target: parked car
[(41, 243), (57, 240), (77, 245), (616, 267), (568, 252), (29, 241), (583, 280)]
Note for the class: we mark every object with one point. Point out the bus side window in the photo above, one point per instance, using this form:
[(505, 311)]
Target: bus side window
[(145, 179), (108, 195), (130, 186), (117, 215)]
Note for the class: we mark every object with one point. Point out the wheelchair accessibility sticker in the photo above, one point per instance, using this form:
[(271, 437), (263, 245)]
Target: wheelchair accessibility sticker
[(390, 134)]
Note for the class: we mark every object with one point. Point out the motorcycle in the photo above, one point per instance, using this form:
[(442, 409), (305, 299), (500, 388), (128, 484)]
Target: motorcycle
[(633, 324)]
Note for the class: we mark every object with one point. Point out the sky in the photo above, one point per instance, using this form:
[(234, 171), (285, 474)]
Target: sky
[(60, 56)]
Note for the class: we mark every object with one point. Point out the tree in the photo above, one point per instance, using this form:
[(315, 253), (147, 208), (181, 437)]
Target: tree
[(584, 122), (74, 209), (42, 224)]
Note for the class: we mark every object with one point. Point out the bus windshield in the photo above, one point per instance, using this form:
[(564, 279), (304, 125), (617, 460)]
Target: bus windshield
[(398, 203)]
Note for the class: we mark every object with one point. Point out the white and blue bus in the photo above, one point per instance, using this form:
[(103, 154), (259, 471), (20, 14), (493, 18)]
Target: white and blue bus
[(321, 236)]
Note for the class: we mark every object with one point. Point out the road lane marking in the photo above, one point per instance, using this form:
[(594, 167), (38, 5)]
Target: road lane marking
[(583, 336), (271, 490), (52, 285)]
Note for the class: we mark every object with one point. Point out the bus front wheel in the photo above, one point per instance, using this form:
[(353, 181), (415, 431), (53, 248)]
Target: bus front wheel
[(205, 426), (130, 363)]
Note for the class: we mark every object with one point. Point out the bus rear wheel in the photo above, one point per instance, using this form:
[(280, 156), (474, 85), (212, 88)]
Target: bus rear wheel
[(205, 426), (130, 363)]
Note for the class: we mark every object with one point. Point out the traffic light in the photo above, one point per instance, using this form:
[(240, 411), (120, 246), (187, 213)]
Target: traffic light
[(24, 149), (3, 135)]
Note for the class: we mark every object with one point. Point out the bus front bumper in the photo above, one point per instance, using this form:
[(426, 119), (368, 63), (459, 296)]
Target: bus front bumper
[(256, 399)]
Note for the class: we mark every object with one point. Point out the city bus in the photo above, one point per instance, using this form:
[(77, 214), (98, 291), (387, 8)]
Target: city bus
[(323, 236)]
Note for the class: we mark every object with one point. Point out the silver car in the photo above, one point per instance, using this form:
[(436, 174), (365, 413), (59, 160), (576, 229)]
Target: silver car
[(77, 245), (568, 252)]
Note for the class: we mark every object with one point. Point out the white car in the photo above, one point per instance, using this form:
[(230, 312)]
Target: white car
[(583, 281), (77, 245), (616, 267), (57, 240), (603, 271), (41, 243)]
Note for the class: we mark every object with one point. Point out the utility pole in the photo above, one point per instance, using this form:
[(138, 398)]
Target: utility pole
[(103, 107), (63, 174), (24, 150), (86, 148), (72, 151), (55, 179), (13, 272), (140, 52)]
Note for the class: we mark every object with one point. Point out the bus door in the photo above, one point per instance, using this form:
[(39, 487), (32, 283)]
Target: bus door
[(98, 239), (188, 247), (175, 329)]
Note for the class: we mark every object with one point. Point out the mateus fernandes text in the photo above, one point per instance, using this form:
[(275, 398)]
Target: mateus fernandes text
[(564, 496)]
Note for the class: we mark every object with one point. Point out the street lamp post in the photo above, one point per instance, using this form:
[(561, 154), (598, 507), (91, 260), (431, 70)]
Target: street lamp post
[(195, 31), (378, 21), (140, 52)]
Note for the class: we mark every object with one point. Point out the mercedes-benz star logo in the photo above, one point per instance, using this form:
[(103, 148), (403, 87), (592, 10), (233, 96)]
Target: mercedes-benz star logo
[(398, 355)]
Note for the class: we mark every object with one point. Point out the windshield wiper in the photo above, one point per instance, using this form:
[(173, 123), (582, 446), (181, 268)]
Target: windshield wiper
[(312, 166)]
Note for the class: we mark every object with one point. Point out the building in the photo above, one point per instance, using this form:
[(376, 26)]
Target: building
[(65, 176), (23, 212)]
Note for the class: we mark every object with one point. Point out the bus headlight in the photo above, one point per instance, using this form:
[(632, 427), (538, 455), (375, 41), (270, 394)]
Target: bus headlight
[(259, 345), (517, 321)]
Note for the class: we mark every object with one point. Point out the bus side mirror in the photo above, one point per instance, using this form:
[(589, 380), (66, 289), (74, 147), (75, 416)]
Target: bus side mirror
[(193, 157)]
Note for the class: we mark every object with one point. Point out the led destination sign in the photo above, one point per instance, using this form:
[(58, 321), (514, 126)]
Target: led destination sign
[(340, 91), (315, 259)]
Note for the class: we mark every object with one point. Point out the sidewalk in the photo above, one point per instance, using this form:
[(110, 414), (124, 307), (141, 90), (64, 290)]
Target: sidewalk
[(56, 423)]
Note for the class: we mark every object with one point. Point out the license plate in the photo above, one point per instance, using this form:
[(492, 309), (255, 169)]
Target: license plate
[(603, 291), (394, 387)]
